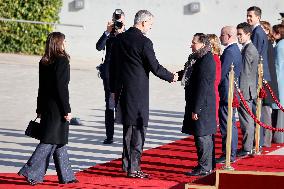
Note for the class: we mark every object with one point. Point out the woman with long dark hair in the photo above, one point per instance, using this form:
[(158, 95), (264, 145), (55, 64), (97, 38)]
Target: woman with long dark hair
[(54, 110)]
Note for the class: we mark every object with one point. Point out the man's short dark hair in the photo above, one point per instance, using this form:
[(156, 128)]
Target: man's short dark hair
[(257, 10), (202, 38), (245, 27)]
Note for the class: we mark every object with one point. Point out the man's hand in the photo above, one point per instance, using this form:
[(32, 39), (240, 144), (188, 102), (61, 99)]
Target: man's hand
[(175, 77), (194, 116), (68, 117), (112, 95), (109, 26)]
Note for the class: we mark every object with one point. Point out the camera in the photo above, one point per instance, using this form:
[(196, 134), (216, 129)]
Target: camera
[(116, 16)]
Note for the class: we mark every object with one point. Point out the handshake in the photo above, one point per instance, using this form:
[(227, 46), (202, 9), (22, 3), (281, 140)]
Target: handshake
[(177, 76)]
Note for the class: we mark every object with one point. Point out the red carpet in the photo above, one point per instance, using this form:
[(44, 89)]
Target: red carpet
[(166, 165)]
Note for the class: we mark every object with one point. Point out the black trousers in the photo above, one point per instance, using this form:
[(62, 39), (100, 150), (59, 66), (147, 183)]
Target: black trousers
[(133, 143), (205, 151), (109, 112)]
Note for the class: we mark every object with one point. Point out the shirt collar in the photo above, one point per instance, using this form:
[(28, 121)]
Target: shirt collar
[(257, 24), (230, 44)]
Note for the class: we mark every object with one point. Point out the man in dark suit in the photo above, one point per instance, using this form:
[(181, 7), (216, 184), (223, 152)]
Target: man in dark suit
[(114, 27), (247, 84), (260, 41), (132, 59), (231, 55)]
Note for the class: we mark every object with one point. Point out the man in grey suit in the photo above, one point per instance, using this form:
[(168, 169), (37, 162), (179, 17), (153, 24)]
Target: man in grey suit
[(247, 84)]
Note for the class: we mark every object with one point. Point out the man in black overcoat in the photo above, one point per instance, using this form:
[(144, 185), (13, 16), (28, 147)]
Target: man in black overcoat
[(132, 59), (200, 116)]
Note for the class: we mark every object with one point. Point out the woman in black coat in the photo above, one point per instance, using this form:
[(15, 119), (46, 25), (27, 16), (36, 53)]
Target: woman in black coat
[(200, 116), (54, 110)]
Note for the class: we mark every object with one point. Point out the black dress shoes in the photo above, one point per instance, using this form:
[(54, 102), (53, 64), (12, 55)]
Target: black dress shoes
[(222, 159), (69, 182), (243, 153), (108, 141), (138, 174), (198, 172)]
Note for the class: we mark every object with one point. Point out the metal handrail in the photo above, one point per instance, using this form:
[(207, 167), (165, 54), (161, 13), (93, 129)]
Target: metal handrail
[(38, 22)]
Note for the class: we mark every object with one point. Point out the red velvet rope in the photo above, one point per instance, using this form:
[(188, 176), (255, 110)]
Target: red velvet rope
[(255, 118), (273, 95)]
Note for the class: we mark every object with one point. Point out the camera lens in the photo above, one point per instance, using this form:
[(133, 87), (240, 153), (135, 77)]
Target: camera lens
[(118, 25)]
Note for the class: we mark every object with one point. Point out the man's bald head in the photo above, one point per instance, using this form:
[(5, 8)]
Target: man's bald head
[(228, 35)]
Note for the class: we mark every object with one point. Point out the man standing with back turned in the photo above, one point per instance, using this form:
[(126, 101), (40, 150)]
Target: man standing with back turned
[(133, 58)]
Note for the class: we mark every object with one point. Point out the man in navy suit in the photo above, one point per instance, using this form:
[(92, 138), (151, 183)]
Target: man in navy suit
[(231, 55), (260, 41)]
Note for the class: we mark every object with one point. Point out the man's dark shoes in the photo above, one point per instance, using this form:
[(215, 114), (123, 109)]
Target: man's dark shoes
[(108, 141), (198, 172), (138, 174), (222, 159), (243, 153), (69, 182)]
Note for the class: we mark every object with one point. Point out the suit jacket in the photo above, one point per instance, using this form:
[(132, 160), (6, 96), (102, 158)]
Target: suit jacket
[(132, 59), (248, 76), (260, 41), (105, 43), (53, 101), (200, 98), (231, 55)]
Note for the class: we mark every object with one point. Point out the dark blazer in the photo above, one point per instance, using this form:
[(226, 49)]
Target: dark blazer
[(105, 43), (260, 41), (248, 76), (132, 59), (231, 55), (53, 101), (200, 98)]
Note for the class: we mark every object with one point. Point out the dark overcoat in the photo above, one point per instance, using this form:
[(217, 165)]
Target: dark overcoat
[(200, 98), (53, 101), (132, 59)]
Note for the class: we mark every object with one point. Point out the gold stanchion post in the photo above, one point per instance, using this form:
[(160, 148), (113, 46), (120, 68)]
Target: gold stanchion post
[(258, 106), (230, 120)]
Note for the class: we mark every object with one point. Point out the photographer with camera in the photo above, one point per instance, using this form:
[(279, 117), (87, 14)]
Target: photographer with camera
[(105, 42)]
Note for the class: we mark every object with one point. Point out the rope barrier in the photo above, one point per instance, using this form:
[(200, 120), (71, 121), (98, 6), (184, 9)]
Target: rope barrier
[(253, 116), (273, 95)]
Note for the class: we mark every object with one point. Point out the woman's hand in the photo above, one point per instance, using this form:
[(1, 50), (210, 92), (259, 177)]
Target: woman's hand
[(68, 117)]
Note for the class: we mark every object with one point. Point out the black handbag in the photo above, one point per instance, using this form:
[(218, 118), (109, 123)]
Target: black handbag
[(33, 129)]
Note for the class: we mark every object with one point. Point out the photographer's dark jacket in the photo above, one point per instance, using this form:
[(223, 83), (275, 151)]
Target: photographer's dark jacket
[(105, 43), (132, 59), (53, 101)]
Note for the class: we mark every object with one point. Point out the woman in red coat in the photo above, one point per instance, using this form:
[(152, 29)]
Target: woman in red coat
[(216, 51)]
